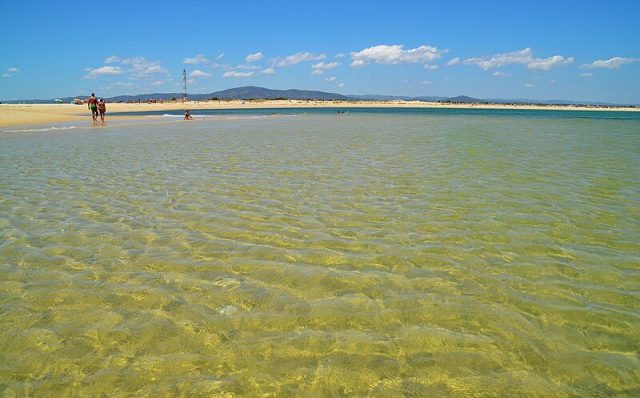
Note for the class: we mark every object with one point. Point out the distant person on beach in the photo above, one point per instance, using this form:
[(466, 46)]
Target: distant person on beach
[(102, 108), (187, 115), (92, 104)]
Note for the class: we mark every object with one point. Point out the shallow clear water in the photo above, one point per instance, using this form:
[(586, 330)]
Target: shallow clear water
[(323, 255)]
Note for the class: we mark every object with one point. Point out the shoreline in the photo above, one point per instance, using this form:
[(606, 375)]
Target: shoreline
[(25, 115)]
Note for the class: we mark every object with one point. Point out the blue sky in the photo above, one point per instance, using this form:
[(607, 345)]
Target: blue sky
[(577, 50)]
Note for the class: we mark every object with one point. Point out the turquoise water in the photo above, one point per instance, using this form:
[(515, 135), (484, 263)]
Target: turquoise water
[(517, 113), (315, 254)]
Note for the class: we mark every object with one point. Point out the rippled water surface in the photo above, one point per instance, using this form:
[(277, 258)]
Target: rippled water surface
[(322, 255)]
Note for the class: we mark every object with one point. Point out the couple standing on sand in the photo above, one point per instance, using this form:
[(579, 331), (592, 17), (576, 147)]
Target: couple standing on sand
[(96, 106)]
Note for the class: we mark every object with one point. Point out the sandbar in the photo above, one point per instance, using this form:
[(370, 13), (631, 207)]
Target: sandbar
[(13, 115)]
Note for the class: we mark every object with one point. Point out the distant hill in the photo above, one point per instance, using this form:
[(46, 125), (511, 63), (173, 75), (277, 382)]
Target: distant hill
[(431, 99), (256, 93), (144, 97), (253, 92), (243, 93), (463, 99)]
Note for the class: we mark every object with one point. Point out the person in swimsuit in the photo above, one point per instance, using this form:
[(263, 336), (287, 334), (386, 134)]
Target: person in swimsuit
[(187, 115), (102, 108), (92, 104)]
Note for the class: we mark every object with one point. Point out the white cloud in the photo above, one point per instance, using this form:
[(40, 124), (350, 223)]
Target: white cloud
[(12, 70), (501, 74), (453, 61), (340, 84), (152, 69), (524, 56), (248, 67), (198, 59), (330, 79), (254, 57), (529, 85), (548, 63), (425, 82), (217, 65), (142, 68), (340, 55), (320, 67), (238, 74), (112, 59), (430, 67), (103, 71), (497, 60), (587, 74), (220, 56), (298, 58), (326, 66), (269, 71), (611, 63), (394, 54), (158, 83), (198, 74)]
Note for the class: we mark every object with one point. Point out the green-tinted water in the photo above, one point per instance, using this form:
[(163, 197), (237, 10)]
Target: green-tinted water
[(322, 255)]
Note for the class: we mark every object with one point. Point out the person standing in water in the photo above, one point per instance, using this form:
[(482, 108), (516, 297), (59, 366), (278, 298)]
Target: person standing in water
[(92, 104), (102, 108)]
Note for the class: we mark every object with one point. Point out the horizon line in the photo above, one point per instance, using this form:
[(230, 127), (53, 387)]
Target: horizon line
[(350, 97)]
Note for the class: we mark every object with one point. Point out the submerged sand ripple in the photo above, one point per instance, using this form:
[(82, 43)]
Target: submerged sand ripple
[(377, 255)]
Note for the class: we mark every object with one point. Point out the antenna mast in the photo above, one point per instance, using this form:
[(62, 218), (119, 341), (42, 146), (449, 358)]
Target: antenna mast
[(184, 85)]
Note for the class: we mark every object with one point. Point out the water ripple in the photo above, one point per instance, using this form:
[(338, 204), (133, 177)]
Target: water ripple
[(375, 254)]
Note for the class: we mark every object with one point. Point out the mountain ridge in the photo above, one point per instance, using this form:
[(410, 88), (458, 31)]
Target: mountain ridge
[(255, 93)]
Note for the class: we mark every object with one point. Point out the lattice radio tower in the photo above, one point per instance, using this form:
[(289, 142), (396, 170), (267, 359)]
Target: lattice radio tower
[(184, 85)]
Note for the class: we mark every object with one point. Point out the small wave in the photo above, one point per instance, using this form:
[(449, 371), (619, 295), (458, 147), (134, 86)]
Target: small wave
[(52, 128), (221, 116), (163, 115), (201, 116)]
